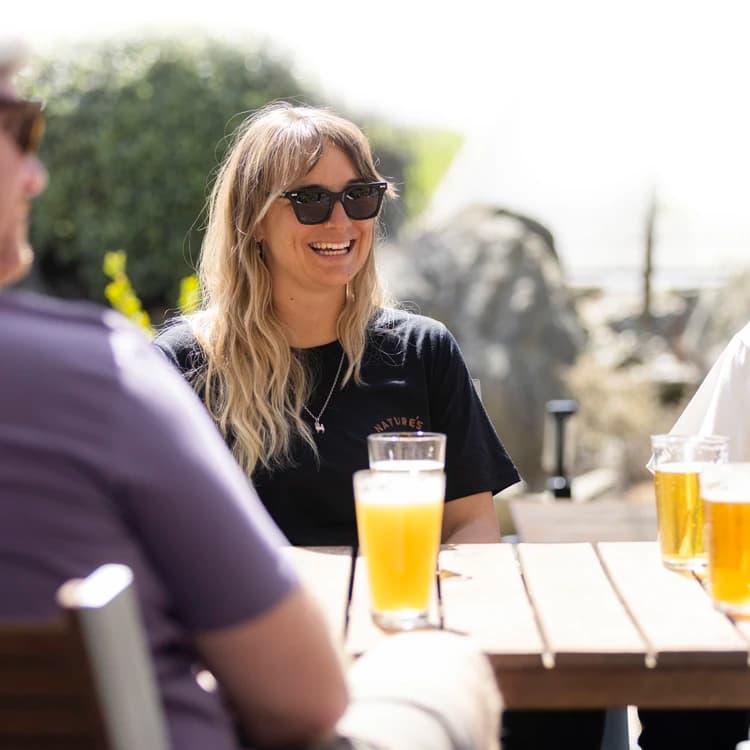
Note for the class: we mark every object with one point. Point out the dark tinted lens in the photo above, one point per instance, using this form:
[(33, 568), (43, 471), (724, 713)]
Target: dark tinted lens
[(311, 205), (362, 201), (314, 205)]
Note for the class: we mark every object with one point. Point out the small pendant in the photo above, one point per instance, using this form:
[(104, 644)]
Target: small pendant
[(319, 427)]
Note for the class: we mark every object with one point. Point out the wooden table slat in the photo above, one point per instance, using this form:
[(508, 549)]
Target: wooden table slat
[(483, 595), (582, 619), (672, 610), (326, 571)]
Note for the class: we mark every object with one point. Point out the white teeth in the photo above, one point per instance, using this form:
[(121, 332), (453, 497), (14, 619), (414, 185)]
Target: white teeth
[(331, 248), (330, 245)]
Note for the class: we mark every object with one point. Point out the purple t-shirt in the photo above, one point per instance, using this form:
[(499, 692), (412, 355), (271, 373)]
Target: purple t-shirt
[(107, 456)]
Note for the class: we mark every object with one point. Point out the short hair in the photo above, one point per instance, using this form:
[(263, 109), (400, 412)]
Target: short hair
[(13, 55)]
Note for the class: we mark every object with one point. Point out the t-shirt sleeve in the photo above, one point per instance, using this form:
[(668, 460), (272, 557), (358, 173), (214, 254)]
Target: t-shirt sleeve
[(476, 461), (177, 343), (191, 507)]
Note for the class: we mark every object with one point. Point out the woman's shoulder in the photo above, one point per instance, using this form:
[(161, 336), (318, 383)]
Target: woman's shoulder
[(404, 336), (176, 334), (407, 325), (178, 343)]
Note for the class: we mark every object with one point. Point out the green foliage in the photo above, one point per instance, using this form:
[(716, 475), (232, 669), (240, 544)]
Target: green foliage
[(123, 298), (135, 130), (120, 293), (431, 154), (190, 294)]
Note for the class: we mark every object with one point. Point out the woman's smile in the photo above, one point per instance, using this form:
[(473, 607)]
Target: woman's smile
[(331, 248)]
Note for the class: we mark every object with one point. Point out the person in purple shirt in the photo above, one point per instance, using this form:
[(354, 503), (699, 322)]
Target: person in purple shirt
[(107, 456)]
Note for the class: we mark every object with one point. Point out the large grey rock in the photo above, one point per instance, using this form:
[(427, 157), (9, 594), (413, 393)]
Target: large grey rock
[(632, 381), (493, 277)]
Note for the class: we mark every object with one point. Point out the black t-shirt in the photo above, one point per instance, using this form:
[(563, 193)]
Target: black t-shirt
[(414, 378)]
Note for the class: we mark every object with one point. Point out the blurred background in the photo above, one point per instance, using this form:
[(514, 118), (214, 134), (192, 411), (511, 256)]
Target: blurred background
[(573, 179)]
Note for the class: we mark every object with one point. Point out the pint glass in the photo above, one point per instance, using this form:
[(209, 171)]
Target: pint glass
[(678, 461), (726, 494), (406, 451), (399, 518)]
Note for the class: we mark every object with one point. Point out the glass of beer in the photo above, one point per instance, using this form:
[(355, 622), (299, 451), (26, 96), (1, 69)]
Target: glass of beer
[(406, 451), (677, 462), (726, 494), (399, 518)]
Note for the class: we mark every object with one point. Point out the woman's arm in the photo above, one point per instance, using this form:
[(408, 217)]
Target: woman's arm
[(470, 519)]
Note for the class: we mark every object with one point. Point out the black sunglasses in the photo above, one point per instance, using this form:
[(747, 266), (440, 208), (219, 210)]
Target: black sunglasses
[(23, 121), (314, 205)]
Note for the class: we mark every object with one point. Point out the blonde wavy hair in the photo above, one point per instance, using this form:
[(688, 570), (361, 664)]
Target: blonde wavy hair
[(254, 384)]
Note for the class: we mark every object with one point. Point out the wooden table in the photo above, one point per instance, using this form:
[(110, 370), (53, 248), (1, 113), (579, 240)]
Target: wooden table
[(574, 625)]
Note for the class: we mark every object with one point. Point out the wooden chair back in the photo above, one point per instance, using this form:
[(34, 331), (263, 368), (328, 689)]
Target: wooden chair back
[(84, 681)]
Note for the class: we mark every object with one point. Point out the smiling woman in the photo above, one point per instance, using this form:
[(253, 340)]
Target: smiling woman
[(295, 351)]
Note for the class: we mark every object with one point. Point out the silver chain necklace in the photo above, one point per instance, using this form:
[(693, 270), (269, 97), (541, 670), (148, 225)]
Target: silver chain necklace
[(319, 426)]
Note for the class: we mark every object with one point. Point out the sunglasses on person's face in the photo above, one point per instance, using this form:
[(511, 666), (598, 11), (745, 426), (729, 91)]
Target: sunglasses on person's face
[(23, 121), (314, 205)]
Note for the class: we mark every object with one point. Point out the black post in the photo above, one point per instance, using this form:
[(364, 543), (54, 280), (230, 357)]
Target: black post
[(560, 409)]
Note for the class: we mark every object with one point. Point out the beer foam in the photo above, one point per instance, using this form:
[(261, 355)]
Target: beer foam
[(400, 488), (684, 467), (727, 496), (411, 465), (391, 501)]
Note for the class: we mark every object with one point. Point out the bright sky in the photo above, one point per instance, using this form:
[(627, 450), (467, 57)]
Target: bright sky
[(573, 110)]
